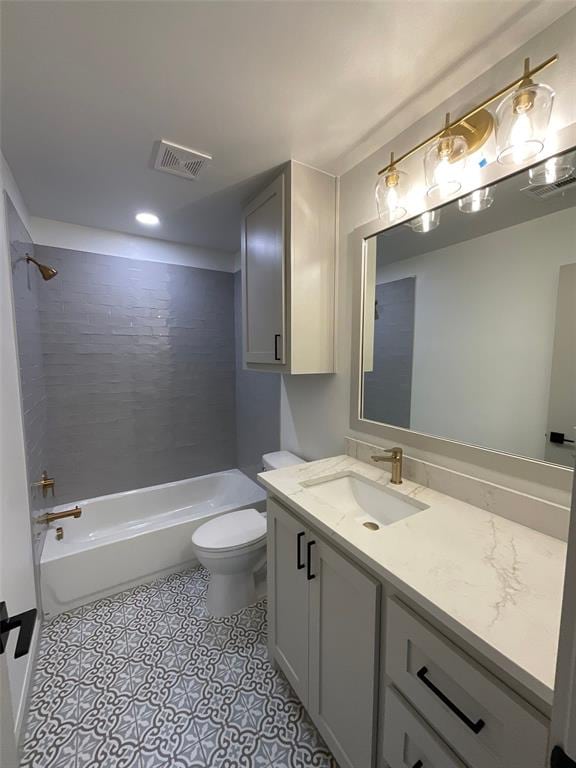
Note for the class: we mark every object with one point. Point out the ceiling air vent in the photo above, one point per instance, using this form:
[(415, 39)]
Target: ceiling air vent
[(544, 191), (178, 160)]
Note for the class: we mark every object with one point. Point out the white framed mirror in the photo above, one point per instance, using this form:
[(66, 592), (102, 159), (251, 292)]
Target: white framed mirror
[(465, 326)]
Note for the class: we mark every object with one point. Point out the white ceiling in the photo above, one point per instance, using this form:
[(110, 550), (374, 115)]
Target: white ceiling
[(88, 87)]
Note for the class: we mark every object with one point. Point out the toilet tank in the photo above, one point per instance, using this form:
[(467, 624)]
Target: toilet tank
[(279, 460)]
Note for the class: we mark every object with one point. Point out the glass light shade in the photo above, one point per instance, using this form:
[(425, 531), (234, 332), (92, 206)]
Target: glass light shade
[(554, 169), (522, 121), (444, 165), (389, 193), (426, 222), (478, 200)]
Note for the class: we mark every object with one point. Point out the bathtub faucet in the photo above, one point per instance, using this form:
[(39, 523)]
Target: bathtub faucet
[(50, 517)]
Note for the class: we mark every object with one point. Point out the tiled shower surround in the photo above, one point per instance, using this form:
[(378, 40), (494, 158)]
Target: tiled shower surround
[(140, 373), (146, 679)]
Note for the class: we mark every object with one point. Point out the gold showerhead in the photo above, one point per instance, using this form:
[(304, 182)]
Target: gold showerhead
[(45, 270)]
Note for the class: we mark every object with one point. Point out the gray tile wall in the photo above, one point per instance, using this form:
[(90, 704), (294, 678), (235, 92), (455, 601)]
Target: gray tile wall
[(140, 372), (257, 404), (27, 286), (388, 388)]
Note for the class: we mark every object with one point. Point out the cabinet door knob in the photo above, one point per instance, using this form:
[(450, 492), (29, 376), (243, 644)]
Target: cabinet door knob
[(276, 339), (309, 574), (299, 563), (559, 759)]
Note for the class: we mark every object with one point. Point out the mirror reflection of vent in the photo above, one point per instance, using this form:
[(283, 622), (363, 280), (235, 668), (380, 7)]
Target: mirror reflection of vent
[(545, 191), (180, 161)]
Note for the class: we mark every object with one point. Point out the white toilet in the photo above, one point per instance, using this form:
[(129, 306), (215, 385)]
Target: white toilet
[(232, 548)]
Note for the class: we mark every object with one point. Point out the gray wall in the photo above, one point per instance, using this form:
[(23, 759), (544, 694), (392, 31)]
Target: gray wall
[(140, 372), (388, 388), (27, 285), (257, 404)]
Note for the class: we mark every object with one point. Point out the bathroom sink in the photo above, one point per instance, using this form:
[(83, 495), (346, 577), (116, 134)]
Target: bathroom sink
[(363, 499)]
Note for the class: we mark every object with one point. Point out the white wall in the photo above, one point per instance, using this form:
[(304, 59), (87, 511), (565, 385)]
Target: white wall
[(484, 333), (58, 234), (315, 409), (16, 563)]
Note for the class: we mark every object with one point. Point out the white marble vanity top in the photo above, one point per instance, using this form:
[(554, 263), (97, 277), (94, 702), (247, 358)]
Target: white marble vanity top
[(495, 583)]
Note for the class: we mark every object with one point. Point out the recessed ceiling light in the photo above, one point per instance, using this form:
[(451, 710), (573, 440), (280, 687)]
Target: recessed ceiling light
[(147, 218)]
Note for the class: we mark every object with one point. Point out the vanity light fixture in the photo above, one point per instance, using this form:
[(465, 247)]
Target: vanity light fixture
[(553, 170), (522, 120), (445, 162), (479, 200), (147, 218), (388, 192), (426, 222)]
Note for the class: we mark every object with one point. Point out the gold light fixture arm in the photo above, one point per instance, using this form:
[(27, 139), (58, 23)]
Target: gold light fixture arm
[(526, 76)]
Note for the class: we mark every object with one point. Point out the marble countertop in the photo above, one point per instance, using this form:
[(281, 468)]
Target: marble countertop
[(496, 584)]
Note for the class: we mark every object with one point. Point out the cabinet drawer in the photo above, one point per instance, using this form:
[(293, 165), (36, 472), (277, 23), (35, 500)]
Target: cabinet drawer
[(408, 741), (484, 721)]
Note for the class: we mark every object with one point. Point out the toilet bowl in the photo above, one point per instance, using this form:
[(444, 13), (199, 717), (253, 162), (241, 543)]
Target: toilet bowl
[(232, 547)]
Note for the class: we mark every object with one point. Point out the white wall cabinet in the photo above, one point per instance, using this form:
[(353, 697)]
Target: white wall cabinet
[(323, 623), (288, 273)]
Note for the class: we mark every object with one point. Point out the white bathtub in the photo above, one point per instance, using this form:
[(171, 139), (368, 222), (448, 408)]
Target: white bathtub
[(132, 537)]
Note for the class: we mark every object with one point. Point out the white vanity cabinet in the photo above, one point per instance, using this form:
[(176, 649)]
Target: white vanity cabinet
[(288, 273), (323, 625)]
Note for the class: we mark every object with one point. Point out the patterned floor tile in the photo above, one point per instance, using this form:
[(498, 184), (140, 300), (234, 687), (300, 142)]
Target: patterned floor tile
[(147, 679)]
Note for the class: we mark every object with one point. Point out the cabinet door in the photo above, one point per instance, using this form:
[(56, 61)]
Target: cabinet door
[(288, 597), (263, 276), (344, 613)]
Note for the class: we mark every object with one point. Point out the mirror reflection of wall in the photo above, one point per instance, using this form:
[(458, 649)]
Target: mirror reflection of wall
[(470, 329)]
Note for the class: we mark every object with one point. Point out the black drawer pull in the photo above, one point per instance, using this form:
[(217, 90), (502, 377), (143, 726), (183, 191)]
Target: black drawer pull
[(276, 355), (476, 727), (299, 563), (309, 573)]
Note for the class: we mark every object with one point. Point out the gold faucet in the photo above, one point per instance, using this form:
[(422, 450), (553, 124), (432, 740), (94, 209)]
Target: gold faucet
[(45, 483), (395, 459), (50, 517)]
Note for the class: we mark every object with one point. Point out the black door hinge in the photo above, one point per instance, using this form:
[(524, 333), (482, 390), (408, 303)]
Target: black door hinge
[(559, 759), (25, 622)]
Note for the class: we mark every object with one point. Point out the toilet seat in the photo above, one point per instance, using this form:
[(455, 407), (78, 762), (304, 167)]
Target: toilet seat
[(241, 529)]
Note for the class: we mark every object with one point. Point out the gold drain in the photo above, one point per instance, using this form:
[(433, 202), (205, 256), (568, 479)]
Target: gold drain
[(371, 526)]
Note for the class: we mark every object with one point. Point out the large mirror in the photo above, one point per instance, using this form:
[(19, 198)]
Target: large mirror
[(469, 318)]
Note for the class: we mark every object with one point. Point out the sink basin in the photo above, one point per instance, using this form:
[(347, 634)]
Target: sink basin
[(363, 499)]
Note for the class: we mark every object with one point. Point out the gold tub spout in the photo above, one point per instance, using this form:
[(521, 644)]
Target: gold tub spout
[(51, 517)]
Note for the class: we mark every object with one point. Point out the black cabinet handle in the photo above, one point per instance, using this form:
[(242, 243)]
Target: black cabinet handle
[(419, 764), (559, 759), (25, 622), (309, 573), (299, 563), (276, 355), (476, 727)]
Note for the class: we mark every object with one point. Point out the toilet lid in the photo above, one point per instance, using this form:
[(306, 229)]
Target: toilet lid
[(234, 529)]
